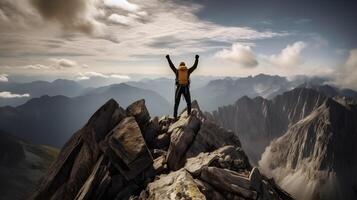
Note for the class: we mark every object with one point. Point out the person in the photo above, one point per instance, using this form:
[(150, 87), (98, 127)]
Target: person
[(182, 83)]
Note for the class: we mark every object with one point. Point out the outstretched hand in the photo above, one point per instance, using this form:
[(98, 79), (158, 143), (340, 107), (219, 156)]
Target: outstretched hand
[(197, 56), (167, 56)]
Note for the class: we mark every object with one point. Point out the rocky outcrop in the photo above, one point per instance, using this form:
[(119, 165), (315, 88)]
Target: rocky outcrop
[(126, 154), (258, 121), (315, 159)]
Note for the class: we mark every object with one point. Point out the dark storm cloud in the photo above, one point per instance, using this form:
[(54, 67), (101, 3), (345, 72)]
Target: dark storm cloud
[(72, 14)]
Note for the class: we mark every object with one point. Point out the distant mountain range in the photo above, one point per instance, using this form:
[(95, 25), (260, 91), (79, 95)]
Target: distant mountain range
[(22, 166), (69, 103), (39, 88), (52, 120)]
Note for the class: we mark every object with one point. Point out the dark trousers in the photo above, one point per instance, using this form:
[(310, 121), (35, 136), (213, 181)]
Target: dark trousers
[(185, 91)]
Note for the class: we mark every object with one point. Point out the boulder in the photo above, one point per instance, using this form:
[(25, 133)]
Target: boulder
[(127, 143), (222, 157), (175, 185), (209, 192), (149, 128), (140, 112), (227, 180), (182, 136), (211, 137), (162, 141), (195, 164)]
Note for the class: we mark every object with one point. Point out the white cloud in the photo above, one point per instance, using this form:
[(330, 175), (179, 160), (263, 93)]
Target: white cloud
[(121, 19), (240, 54), (120, 76), (3, 78), (64, 63), (154, 28), (346, 74), (290, 56), (123, 4), (8, 95), (88, 75), (36, 67)]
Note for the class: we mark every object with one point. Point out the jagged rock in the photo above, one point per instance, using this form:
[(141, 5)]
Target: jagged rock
[(128, 144), (149, 128), (176, 185), (258, 121), (227, 180), (78, 156), (209, 192), (182, 136), (194, 165), (158, 152), (92, 188), (162, 141), (113, 161), (319, 149), (140, 112), (160, 165), (195, 110), (211, 137)]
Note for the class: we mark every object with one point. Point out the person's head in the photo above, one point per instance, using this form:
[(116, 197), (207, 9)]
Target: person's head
[(182, 64)]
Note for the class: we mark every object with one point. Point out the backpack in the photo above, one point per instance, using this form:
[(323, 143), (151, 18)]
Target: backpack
[(182, 76)]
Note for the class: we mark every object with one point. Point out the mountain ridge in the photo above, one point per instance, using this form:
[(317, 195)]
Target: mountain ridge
[(125, 154), (320, 149)]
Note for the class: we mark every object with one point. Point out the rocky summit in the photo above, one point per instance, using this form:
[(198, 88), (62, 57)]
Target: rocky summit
[(125, 154)]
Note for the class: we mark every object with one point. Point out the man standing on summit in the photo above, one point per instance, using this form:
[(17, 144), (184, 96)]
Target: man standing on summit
[(182, 83)]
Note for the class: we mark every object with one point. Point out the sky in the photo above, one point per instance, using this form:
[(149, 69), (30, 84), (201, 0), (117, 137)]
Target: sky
[(81, 39)]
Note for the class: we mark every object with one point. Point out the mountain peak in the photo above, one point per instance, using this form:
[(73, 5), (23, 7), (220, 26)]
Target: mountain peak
[(125, 154), (316, 149)]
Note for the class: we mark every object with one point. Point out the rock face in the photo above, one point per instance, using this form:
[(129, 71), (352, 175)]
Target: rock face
[(316, 157), (22, 166), (258, 121), (126, 154)]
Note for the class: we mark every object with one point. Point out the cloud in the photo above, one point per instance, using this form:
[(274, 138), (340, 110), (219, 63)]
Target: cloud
[(290, 56), (346, 74), (120, 76), (36, 67), (64, 63), (3, 78), (240, 54), (78, 15), (91, 74), (8, 95), (121, 19), (123, 4), (106, 43)]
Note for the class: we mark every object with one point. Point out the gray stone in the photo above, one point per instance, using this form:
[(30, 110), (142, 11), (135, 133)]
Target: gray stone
[(227, 180), (211, 137), (140, 112), (182, 136), (175, 185), (209, 192), (128, 144)]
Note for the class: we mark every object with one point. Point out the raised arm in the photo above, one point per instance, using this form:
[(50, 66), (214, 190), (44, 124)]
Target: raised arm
[(193, 68), (172, 66)]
